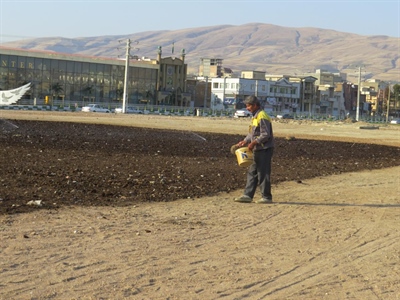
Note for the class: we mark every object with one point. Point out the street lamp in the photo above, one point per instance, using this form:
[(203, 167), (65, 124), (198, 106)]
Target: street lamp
[(223, 91), (388, 103), (358, 94), (205, 94), (128, 47), (127, 56)]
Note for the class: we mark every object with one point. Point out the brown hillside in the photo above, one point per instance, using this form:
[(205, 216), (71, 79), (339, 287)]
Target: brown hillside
[(255, 46)]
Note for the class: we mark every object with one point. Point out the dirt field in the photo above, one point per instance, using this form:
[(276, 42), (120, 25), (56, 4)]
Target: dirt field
[(331, 233)]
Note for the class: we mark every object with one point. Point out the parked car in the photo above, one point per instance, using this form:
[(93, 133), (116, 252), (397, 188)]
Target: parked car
[(284, 116), (95, 108), (242, 113), (395, 121), (128, 110)]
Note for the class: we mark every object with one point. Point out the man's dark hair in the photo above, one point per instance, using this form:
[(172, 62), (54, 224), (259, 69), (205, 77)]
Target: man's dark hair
[(252, 100)]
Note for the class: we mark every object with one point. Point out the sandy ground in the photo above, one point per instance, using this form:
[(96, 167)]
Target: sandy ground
[(335, 237)]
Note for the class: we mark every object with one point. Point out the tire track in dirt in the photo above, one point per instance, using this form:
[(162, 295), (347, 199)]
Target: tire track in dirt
[(363, 240)]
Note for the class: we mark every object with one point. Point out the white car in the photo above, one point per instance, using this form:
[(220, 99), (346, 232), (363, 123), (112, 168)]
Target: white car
[(284, 116), (95, 108), (128, 110), (242, 113), (395, 121)]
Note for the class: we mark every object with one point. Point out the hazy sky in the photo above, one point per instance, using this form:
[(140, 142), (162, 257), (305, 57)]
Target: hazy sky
[(21, 19)]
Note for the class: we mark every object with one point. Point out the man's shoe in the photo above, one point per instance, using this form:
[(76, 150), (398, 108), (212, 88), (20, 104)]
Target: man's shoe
[(263, 201), (243, 199)]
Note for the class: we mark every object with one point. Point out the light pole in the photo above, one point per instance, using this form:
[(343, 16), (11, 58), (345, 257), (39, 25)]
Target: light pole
[(387, 105), (128, 47), (223, 91), (127, 56), (205, 95), (302, 94), (358, 94)]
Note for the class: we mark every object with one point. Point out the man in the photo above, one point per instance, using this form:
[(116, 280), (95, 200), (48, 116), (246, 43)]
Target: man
[(260, 141)]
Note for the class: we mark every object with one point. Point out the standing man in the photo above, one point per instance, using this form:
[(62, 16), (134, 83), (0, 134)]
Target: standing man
[(260, 141)]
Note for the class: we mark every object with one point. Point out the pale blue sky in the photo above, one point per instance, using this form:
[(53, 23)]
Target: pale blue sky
[(20, 19)]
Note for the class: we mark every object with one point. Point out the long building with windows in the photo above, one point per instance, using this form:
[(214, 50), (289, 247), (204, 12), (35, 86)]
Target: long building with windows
[(78, 80)]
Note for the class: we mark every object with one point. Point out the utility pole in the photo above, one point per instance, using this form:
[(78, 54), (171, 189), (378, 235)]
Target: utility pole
[(127, 55), (256, 89), (387, 108), (223, 92), (126, 77), (358, 94), (205, 95), (302, 94)]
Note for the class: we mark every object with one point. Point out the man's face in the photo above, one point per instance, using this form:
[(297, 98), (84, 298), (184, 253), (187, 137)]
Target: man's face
[(251, 108)]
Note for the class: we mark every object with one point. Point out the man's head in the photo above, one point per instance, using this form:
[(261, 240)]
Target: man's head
[(252, 103)]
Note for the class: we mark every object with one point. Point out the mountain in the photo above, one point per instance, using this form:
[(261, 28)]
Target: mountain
[(256, 46)]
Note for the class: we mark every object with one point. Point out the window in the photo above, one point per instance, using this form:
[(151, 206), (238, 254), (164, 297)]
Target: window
[(21, 62), (92, 68), (85, 68), (30, 63), (12, 61), (62, 66)]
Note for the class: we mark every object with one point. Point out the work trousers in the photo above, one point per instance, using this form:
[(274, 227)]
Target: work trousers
[(259, 174)]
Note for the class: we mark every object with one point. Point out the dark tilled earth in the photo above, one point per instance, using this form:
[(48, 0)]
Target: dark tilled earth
[(60, 164)]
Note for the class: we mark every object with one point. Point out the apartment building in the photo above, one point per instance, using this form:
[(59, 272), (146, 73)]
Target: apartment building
[(211, 67), (279, 95)]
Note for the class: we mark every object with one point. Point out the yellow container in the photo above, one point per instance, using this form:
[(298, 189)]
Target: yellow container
[(244, 157)]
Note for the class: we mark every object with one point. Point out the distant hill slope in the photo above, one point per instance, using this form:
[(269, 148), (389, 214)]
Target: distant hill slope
[(255, 46)]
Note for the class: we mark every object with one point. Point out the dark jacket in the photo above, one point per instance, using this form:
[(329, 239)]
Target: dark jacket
[(261, 130)]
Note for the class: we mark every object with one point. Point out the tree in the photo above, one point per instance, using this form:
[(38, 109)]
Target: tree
[(396, 96), (120, 93), (88, 90), (57, 89)]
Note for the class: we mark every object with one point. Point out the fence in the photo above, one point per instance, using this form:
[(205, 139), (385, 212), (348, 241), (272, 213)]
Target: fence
[(192, 111)]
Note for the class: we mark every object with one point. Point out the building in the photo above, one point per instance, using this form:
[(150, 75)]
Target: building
[(171, 82), (373, 90), (352, 100), (279, 95), (308, 102), (259, 75), (76, 80), (328, 78), (211, 67), (331, 100)]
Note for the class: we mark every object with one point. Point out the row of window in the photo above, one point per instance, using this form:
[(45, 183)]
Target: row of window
[(261, 87), (45, 64)]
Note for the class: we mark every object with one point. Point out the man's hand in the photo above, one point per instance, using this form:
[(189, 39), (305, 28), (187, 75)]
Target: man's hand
[(241, 144), (252, 145)]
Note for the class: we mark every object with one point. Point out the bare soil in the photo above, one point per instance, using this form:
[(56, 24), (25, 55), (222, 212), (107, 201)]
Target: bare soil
[(103, 206)]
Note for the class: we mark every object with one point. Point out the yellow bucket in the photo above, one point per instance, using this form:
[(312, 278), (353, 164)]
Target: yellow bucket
[(244, 157)]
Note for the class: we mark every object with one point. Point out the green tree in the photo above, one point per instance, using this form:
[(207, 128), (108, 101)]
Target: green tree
[(396, 96), (88, 90), (396, 90), (120, 93), (56, 89)]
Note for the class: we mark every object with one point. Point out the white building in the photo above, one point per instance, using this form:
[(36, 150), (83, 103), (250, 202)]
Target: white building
[(280, 95)]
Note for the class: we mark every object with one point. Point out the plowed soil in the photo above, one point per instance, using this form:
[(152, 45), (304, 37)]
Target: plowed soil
[(140, 207)]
